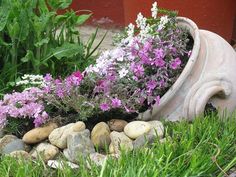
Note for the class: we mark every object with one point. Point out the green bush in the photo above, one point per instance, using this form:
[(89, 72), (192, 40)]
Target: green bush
[(34, 38)]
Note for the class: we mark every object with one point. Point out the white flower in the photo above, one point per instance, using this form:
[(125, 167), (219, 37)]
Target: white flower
[(164, 20), (130, 30), (154, 10), (123, 72), (144, 33), (141, 21)]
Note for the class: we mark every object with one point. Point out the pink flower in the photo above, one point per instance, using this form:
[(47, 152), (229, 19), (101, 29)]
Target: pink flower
[(116, 103), (104, 107), (175, 63), (189, 53), (78, 75)]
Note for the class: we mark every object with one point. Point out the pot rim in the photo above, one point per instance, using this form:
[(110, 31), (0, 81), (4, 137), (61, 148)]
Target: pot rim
[(194, 32)]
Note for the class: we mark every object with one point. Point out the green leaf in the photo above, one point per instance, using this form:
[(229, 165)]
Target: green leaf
[(83, 18), (29, 56), (3, 17), (43, 8), (40, 43), (24, 25), (67, 50), (59, 4)]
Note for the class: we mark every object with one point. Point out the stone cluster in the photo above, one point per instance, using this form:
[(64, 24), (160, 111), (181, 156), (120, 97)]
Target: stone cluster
[(74, 141)]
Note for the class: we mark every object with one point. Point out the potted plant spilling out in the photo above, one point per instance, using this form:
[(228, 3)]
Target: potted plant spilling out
[(162, 66)]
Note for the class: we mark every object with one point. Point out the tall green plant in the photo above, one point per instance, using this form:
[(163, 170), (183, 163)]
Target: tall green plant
[(34, 38)]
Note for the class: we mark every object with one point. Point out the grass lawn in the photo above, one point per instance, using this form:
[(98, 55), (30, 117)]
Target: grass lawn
[(206, 147)]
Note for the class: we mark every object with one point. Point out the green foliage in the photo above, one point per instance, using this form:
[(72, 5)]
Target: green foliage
[(34, 38), (205, 147)]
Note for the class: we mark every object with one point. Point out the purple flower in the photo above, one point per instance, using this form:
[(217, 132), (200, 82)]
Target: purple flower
[(175, 63), (157, 100), (48, 77), (159, 53), (137, 69), (159, 62), (144, 57), (147, 46), (116, 103), (151, 85), (104, 107)]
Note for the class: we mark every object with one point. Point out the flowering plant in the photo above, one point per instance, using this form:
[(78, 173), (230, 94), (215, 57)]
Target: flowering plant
[(26, 104), (147, 60)]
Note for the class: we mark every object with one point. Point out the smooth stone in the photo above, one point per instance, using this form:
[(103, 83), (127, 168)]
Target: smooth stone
[(20, 155), (117, 125), (56, 164), (120, 141), (39, 134), (147, 139), (111, 149), (58, 136), (14, 145), (79, 144), (98, 159), (158, 127), (136, 128), (45, 150), (6, 140), (100, 135)]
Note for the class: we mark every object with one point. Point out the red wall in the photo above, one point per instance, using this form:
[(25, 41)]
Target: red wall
[(112, 9), (214, 15)]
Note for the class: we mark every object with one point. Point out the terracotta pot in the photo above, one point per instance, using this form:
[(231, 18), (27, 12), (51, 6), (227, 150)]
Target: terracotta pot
[(209, 76)]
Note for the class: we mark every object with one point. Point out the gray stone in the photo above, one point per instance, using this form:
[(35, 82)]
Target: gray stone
[(10, 143), (78, 144), (58, 136), (147, 139), (158, 127), (15, 145), (20, 155)]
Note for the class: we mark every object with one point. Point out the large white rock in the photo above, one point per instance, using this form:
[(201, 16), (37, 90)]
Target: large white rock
[(136, 128), (58, 136), (120, 141)]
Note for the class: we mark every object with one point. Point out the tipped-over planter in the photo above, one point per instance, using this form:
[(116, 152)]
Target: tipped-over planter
[(208, 77)]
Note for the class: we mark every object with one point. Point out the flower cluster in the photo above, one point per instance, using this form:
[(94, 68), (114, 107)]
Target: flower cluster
[(133, 76), (26, 104), (30, 80)]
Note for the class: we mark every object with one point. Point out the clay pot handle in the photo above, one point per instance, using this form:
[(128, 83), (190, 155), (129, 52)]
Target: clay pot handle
[(202, 91)]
